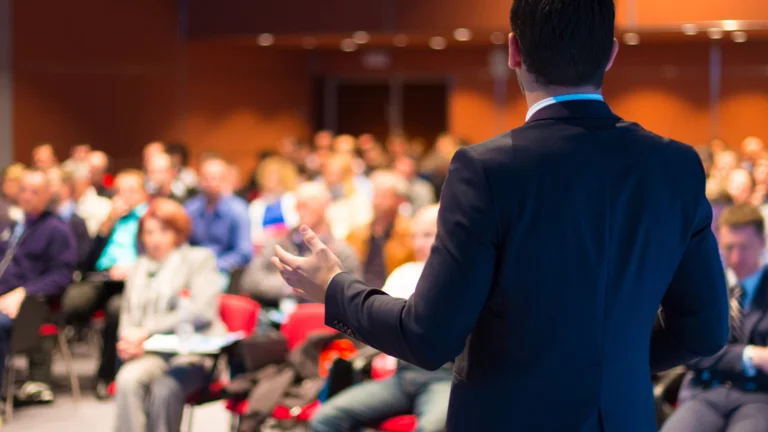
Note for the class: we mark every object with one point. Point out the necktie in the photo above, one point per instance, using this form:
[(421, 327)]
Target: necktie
[(737, 313)]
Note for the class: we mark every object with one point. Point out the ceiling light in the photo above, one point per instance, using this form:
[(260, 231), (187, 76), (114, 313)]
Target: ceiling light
[(266, 39), (309, 43), (361, 37), (739, 36), (498, 38), (715, 33), (730, 25), (437, 42), (690, 29), (462, 34), (400, 40), (348, 45), (632, 39)]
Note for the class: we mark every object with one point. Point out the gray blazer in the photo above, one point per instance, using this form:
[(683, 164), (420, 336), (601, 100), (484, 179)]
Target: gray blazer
[(150, 304)]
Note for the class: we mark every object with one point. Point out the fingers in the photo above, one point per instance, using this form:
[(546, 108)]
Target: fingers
[(285, 258), (311, 239), (282, 268)]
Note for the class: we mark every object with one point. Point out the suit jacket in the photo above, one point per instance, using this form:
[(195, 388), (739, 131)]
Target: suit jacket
[(398, 248), (82, 240), (151, 304), (556, 244), (727, 367)]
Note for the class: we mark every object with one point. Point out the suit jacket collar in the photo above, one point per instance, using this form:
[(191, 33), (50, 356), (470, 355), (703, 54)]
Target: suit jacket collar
[(758, 308), (577, 109)]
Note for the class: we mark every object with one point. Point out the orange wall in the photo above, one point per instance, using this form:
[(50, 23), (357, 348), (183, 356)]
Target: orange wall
[(115, 75)]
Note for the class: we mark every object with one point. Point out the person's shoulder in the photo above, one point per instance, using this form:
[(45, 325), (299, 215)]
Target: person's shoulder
[(195, 203), (236, 203), (197, 255)]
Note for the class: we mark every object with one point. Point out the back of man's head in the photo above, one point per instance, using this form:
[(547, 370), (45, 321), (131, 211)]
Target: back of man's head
[(565, 43)]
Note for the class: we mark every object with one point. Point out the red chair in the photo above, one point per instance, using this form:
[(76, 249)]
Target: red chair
[(308, 318), (239, 314)]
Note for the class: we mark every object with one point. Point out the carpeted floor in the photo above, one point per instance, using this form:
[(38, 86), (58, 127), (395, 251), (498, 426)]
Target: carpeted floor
[(90, 414)]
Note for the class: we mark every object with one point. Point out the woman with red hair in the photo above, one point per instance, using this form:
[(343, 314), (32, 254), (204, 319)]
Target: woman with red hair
[(152, 388)]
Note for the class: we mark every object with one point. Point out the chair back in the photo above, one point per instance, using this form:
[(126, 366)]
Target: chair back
[(307, 318), (239, 313)]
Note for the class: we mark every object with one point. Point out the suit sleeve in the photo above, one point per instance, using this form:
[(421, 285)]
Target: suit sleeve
[(430, 329), (693, 319)]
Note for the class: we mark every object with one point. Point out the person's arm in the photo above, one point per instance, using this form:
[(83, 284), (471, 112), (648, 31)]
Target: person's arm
[(62, 255), (243, 249), (204, 289), (83, 241), (430, 329), (693, 319), (261, 280)]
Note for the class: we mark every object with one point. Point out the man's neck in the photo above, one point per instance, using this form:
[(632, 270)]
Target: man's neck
[(211, 201), (750, 272), (536, 95)]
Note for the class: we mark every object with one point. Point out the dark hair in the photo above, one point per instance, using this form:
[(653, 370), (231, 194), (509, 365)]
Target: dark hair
[(742, 215), (180, 150), (565, 43)]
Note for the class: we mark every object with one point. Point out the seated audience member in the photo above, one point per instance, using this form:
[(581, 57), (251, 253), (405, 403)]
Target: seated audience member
[(373, 154), (62, 188), (262, 281), (729, 391), (760, 176), (322, 144), (98, 164), (751, 149), (740, 186), (44, 157), (112, 255), (385, 243), (92, 207), (37, 388), (160, 178), (351, 206), (38, 257), (78, 157), (151, 149), (10, 191), (707, 158), (421, 193), (220, 220), (724, 162), (185, 177), (397, 146), (274, 212), (411, 389), (347, 145), (435, 164), (151, 389)]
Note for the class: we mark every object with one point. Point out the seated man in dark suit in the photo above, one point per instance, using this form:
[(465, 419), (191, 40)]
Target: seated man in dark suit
[(37, 388), (729, 391), (38, 254)]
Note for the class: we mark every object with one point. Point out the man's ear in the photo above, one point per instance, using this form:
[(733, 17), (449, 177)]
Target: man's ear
[(614, 51), (515, 59)]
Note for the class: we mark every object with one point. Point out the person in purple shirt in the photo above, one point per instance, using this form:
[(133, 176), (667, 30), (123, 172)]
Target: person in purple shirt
[(38, 254), (220, 220)]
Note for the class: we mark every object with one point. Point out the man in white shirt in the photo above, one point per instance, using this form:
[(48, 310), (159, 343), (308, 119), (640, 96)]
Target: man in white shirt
[(411, 389)]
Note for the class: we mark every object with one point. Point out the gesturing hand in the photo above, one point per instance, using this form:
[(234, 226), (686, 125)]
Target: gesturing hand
[(308, 276)]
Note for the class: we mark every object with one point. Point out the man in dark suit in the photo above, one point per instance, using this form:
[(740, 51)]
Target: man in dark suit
[(557, 243), (729, 391)]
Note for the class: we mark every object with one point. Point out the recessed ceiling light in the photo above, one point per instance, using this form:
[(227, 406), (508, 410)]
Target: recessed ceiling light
[(437, 43), (462, 34), (715, 33), (309, 43), (739, 36), (731, 25), (498, 38), (361, 37), (631, 39), (690, 29), (400, 40), (266, 39), (348, 45)]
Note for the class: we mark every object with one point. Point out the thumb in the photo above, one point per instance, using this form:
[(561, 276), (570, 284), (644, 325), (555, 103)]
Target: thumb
[(311, 239)]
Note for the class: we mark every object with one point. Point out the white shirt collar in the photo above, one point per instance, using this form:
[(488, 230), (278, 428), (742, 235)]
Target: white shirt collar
[(563, 98)]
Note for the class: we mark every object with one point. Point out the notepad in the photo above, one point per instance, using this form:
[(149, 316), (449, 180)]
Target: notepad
[(197, 344)]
